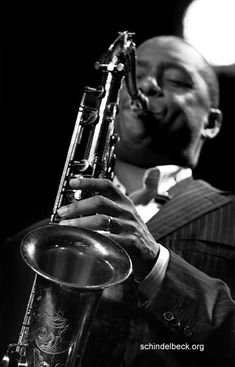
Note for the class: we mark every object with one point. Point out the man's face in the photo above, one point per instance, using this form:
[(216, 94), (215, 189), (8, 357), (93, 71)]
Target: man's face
[(169, 74)]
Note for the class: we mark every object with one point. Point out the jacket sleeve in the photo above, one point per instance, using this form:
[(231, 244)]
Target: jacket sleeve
[(196, 309)]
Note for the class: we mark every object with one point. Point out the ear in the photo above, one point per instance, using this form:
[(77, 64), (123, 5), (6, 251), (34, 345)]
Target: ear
[(213, 125)]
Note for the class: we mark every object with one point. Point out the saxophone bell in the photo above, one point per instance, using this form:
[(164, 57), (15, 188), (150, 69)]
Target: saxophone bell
[(73, 266)]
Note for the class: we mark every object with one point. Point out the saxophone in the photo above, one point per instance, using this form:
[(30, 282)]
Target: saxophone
[(74, 265)]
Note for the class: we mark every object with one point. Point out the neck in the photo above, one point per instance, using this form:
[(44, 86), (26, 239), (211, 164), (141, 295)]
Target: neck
[(130, 176)]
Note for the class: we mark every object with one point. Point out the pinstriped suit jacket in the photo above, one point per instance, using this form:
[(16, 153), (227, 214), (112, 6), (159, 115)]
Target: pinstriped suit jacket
[(198, 227), (192, 307)]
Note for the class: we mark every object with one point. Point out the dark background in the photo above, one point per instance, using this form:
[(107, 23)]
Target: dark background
[(47, 58)]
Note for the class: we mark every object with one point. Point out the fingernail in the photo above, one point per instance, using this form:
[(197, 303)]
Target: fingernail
[(62, 211), (74, 181), (78, 178)]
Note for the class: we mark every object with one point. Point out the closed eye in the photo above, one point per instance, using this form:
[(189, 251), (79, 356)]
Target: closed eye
[(177, 77), (179, 83)]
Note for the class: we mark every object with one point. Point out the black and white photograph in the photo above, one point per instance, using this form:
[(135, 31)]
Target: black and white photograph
[(118, 186)]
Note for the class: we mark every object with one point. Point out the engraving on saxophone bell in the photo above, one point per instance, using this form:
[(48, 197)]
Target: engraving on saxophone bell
[(49, 338), (50, 329)]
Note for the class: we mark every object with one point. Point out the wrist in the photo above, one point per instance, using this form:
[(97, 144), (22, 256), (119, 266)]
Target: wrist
[(142, 271)]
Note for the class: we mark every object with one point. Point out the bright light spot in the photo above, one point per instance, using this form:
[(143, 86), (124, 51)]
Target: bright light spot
[(31, 249), (209, 26), (101, 248)]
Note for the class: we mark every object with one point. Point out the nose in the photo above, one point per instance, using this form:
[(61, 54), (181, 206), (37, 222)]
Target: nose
[(150, 87)]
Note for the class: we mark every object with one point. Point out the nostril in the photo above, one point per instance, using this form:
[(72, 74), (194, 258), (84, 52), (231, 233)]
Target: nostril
[(150, 87), (154, 91)]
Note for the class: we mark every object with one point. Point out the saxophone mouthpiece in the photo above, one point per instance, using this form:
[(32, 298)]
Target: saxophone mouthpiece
[(139, 103)]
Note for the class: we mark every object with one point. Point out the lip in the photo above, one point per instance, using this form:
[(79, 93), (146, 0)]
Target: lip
[(153, 112), (149, 114)]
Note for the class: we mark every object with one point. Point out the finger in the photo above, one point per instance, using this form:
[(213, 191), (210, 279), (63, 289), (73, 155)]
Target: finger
[(101, 222), (90, 206), (94, 185), (93, 222)]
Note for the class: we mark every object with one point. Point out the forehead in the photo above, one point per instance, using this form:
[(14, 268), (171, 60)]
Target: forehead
[(168, 50)]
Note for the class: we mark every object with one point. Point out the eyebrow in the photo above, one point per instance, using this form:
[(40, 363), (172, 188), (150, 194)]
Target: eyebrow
[(167, 65), (172, 65), (164, 65)]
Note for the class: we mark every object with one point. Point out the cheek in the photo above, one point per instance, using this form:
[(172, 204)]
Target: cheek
[(129, 127), (192, 111)]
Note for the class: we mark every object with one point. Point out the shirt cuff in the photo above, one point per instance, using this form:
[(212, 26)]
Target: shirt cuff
[(154, 279)]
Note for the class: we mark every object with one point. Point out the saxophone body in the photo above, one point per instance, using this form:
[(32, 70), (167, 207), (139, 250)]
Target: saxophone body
[(74, 265)]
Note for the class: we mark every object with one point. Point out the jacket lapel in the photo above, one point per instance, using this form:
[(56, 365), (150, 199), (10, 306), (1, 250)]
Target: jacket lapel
[(190, 199)]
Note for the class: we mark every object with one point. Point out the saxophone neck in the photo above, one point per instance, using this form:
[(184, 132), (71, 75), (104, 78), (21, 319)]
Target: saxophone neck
[(139, 102), (121, 55)]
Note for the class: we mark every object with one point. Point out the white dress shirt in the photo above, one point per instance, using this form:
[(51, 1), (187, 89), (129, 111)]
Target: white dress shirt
[(166, 177)]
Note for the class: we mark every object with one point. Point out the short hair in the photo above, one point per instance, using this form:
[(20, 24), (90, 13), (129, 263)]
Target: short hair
[(210, 76)]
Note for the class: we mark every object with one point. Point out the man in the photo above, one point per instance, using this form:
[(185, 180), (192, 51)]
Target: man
[(177, 300), (178, 308)]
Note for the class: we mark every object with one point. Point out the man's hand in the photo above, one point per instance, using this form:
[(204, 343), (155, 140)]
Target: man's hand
[(108, 209)]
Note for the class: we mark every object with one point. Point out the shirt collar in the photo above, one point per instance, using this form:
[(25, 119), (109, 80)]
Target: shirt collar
[(167, 177)]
